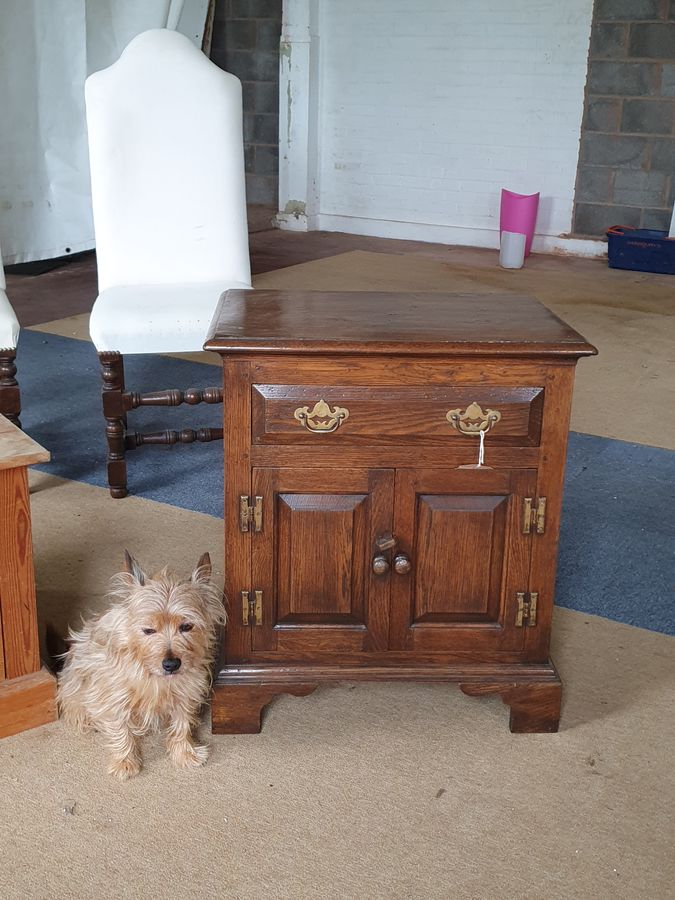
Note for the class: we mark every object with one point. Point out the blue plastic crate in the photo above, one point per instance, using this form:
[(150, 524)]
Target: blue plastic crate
[(641, 249)]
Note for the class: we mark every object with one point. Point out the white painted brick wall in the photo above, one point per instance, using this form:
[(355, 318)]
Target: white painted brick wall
[(427, 109)]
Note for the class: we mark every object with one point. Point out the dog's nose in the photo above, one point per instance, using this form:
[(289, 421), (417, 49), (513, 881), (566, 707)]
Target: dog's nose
[(171, 664)]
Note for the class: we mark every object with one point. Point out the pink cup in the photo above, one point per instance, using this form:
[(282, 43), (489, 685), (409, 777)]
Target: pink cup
[(518, 212)]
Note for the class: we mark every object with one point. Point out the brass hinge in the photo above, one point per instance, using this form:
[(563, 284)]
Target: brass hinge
[(251, 608), (527, 609), (534, 517), (250, 514)]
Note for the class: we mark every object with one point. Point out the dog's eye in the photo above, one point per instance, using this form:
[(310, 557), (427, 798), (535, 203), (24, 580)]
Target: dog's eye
[(186, 626), (149, 631)]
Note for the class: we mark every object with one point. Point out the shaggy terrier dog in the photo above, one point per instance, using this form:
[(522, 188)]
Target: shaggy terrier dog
[(145, 665)]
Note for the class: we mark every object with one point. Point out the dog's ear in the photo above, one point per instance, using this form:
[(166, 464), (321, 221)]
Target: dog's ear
[(108, 631), (202, 574), (131, 566)]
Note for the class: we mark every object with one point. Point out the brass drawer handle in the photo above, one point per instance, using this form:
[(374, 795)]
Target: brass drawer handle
[(473, 420), (322, 419)]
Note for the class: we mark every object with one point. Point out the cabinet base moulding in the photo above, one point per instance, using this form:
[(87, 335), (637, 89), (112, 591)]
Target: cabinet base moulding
[(533, 692), (238, 708)]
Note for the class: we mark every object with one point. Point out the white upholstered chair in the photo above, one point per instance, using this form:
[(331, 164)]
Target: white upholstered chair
[(10, 401), (168, 192)]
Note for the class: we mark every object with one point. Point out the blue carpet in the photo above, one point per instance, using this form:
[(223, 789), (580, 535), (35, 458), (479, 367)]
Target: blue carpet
[(61, 397), (617, 542), (618, 531)]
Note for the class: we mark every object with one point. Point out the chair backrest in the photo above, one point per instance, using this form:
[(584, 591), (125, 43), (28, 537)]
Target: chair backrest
[(167, 166), (9, 324), (3, 283)]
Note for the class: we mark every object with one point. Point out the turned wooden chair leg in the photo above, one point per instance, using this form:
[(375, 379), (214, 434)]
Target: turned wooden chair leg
[(112, 372), (10, 397)]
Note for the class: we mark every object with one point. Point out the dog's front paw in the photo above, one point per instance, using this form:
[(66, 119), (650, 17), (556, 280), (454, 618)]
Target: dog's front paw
[(189, 756), (125, 768)]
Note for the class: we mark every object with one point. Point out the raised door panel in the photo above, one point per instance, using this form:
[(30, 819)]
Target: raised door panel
[(321, 569), (468, 588), (468, 559), (312, 560)]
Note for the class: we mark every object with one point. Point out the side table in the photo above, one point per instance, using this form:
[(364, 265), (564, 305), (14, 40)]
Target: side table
[(393, 485), (27, 690)]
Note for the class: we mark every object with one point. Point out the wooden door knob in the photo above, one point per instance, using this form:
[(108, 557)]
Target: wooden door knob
[(402, 564), (380, 565)]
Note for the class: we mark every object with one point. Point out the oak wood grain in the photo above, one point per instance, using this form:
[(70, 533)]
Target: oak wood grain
[(505, 673), (381, 322), (313, 559), (472, 552), (535, 706), (238, 709), (453, 370), (550, 482), (389, 657), (394, 414), (236, 440), (458, 551), (395, 456)]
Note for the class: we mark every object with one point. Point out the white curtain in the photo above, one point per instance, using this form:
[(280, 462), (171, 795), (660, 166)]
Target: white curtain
[(47, 49)]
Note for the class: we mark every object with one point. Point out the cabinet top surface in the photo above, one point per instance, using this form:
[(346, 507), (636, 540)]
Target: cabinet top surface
[(383, 322)]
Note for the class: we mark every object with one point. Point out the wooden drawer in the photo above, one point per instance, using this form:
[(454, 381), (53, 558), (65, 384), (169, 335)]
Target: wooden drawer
[(293, 414)]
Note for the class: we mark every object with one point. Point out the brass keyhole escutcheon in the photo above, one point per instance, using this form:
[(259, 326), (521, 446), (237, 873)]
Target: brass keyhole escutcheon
[(386, 541)]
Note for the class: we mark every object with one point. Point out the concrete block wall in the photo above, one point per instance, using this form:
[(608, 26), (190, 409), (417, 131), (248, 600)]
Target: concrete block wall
[(245, 42), (407, 120), (626, 173)]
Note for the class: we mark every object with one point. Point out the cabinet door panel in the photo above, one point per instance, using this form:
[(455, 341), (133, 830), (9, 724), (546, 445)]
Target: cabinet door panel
[(324, 585), (313, 559), (468, 589), (461, 530)]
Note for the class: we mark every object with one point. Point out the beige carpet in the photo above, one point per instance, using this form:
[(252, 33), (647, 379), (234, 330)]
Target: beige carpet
[(629, 316), (390, 792)]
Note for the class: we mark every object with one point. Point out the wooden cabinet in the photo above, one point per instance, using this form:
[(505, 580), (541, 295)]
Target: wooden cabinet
[(363, 540)]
